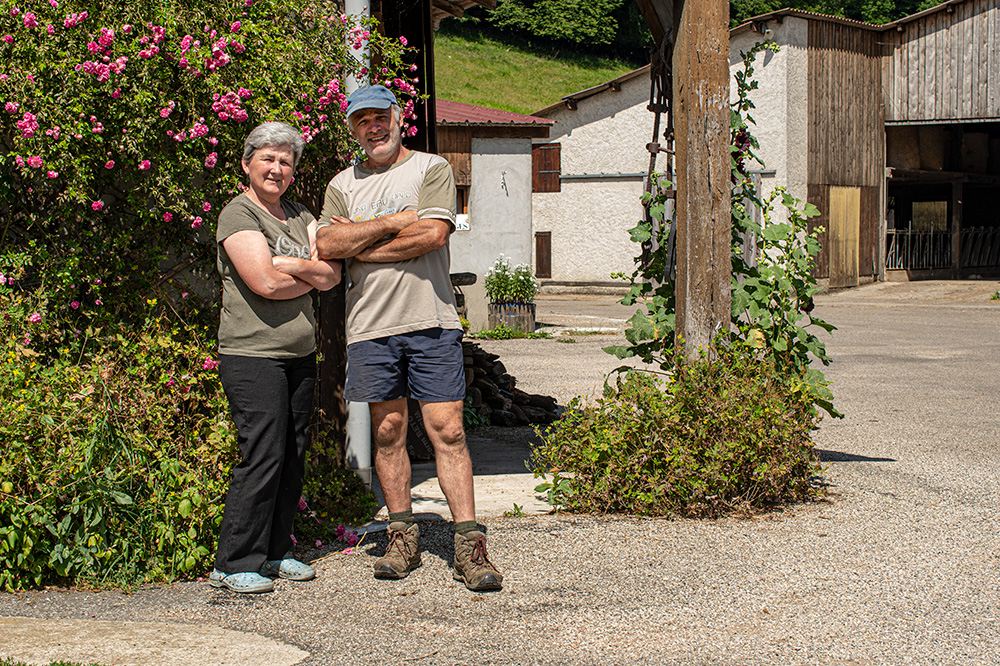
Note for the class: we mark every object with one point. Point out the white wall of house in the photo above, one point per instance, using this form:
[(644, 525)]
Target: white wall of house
[(499, 216), (589, 218), (782, 101)]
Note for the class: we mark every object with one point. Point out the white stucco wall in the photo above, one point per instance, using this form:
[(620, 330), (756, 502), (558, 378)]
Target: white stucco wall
[(782, 102), (499, 216), (589, 219)]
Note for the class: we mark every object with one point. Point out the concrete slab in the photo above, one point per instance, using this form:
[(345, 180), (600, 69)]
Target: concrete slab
[(36, 641)]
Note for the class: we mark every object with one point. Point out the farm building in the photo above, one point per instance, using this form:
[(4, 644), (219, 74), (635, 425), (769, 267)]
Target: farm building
[(490, 152), (892, 131), (588, 181)]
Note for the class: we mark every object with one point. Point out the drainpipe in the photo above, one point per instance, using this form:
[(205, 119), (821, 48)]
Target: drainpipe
[(359, 424)]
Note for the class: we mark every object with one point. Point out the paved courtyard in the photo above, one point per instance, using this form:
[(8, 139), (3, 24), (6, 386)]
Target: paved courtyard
[(899, 566)]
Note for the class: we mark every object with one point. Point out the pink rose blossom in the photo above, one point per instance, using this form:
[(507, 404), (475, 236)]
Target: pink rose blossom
[(35, 161), (126, 28), (50, 29), (98, 302), (110, 164), (116, 94), (19, 161), (235, 26), (402, 40), (144, 165), (97, 205), (14, 11), (54, 4), (167, 217), (97, 280), (7, 39), (34, 318), (196, 223), (171, 382), (52, 174), (75, 305), (30, 21), (209, 364), (211, 160), (11, 107), (206, 206)]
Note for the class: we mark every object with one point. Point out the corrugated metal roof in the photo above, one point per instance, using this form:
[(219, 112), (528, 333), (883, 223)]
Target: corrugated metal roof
[(457, 113)]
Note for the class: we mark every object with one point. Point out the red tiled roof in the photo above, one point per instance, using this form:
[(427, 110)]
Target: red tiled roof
[(456, 113)]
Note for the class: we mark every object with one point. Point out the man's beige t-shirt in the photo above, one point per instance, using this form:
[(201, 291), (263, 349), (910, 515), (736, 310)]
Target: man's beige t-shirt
[(251, 325), (392, 298)]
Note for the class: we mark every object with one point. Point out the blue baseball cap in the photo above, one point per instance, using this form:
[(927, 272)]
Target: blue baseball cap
[(370, 97)]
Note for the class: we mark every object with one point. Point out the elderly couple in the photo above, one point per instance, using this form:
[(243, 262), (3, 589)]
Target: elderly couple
[(389, 218)]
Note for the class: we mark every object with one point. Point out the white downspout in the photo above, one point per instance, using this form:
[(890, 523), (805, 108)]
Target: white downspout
[(359, 424)]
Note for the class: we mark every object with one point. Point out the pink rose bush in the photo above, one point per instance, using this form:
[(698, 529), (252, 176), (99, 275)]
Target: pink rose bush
[(123, 125)]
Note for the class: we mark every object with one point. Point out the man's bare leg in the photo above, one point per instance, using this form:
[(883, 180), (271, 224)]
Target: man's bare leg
[(392, 463), (443, 422)]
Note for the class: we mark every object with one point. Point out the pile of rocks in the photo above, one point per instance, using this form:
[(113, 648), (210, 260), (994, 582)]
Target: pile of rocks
[(495, 396)]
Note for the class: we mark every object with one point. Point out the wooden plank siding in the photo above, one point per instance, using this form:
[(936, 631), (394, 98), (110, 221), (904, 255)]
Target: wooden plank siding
[(944, 67), (455, 145), (846, 130)]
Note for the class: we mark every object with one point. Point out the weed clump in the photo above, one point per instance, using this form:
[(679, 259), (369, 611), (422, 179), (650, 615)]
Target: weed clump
[(719, 435)]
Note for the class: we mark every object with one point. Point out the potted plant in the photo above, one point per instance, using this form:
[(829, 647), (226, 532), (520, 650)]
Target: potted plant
[(511, 291)]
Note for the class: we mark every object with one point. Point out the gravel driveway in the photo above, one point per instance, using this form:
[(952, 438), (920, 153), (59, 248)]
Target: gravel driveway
[(899, 566)]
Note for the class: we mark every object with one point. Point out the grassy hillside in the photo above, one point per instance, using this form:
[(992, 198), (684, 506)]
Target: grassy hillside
[(483, 71)]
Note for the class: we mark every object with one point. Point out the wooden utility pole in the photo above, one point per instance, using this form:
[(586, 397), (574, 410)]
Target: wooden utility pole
[(701, 130)]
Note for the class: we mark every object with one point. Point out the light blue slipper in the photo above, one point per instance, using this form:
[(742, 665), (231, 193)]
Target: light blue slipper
[(246, 582), (288, 569)]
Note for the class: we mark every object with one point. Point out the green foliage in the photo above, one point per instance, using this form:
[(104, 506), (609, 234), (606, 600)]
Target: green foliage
[(504, 332), (771, 294), (118, 452), (870, 11), (335, 496), (507, 284), (588, 21), (995, 296), (722, 434), (120, 140), (471, 418)]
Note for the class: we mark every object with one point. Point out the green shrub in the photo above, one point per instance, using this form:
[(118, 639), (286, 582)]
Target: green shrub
[(504, 332), (730, 433), (117, 460), (121, 132)]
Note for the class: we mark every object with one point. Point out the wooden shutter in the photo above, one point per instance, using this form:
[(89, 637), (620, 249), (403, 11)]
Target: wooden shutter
[(543, 254), (546, 166)]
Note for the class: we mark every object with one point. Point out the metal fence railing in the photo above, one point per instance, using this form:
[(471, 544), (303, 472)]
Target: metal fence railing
[(981, 247), (908, 249)]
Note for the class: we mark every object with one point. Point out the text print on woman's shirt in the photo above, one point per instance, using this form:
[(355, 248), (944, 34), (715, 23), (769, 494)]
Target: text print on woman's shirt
[(284, 247)]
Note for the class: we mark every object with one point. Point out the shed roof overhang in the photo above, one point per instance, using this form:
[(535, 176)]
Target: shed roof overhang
[(441, 9)]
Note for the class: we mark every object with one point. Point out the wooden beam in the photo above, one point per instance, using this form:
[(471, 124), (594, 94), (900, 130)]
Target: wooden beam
[(450, 8), (701, 128)]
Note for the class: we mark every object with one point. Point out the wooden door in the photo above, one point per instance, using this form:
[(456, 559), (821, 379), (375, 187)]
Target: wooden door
[(844, 235)]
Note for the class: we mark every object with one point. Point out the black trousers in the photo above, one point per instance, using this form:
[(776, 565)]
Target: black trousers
[(271, 403)]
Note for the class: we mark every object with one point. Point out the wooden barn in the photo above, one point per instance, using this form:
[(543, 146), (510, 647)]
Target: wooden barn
[(893, 131)]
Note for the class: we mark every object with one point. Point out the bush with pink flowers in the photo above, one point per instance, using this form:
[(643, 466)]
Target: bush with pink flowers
[(121, 130)]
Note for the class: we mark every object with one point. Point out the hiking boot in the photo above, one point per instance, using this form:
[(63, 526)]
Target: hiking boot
[(472, 565), (402, 555)]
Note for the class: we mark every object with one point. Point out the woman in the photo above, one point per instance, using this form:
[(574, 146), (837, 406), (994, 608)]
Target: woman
[(267, 360)]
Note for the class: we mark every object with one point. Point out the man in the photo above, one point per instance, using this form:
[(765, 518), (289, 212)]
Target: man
[(390, 217)]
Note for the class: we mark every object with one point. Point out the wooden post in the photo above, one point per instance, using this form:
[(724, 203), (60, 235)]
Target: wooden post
[(701, 128)]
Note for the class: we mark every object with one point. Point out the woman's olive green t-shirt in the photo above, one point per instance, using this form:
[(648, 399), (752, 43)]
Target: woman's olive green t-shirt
[(251, 325)]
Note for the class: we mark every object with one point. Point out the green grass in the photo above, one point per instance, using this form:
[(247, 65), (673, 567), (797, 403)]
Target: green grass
[(480, 70)]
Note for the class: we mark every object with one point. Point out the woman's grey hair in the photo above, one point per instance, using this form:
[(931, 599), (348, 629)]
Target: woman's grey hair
[(273, 134)]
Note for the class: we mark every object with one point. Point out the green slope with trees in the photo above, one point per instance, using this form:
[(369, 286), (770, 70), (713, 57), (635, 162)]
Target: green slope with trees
[(528, 54)]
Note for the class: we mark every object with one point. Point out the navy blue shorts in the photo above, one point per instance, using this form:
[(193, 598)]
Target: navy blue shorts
[(424, 365)]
